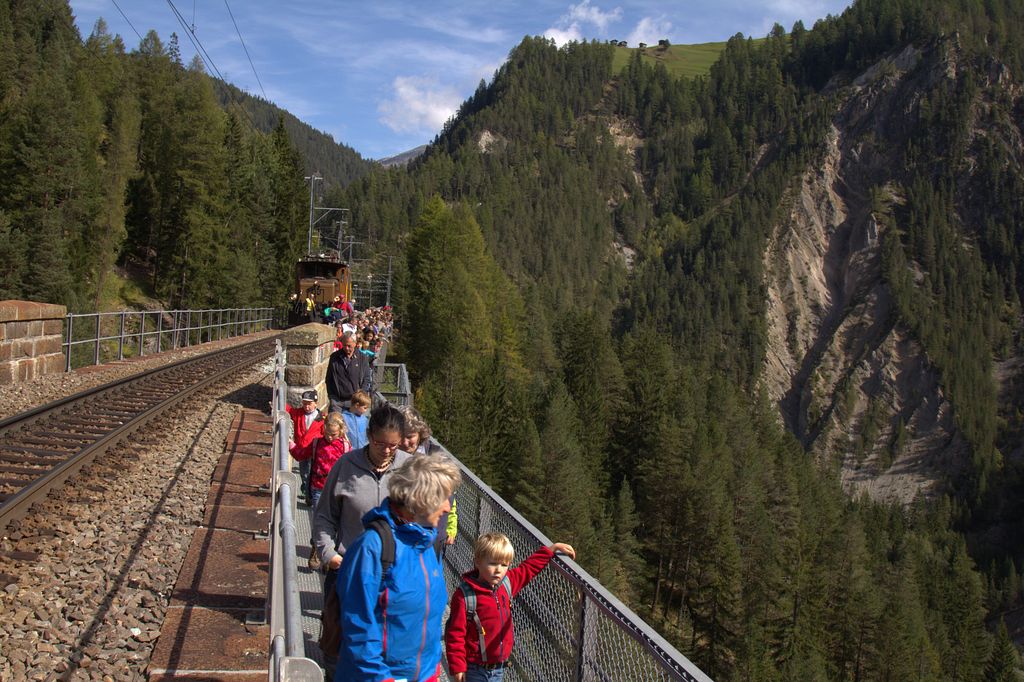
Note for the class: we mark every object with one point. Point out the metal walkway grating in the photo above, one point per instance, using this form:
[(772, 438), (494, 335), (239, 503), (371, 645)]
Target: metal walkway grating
[(311, 584)]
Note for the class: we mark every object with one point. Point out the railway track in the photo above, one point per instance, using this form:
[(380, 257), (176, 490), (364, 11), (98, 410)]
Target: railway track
[(41, 448)]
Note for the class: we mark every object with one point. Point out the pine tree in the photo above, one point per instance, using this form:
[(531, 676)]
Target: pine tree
[(630, 565), (12, 259), (969, 643), (1004, 663), (572, 511), (118, 120), (48, 176), (717, 600)]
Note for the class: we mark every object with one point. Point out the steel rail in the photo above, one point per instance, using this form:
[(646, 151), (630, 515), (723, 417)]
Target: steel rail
[(19, 503)]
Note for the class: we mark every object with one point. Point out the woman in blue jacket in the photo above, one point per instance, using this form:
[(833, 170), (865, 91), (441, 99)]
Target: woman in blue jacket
[(391, 622)]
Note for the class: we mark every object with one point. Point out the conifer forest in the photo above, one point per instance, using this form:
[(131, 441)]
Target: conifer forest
[(610, 309)]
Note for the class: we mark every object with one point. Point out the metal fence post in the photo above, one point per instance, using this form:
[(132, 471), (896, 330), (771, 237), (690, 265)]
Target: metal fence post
[(120, 339), (67, 357), (142, 334), (96, 349), (581, 634), (159, 331)]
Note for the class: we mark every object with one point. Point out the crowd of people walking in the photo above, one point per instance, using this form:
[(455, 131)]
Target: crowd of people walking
[(384, 511)]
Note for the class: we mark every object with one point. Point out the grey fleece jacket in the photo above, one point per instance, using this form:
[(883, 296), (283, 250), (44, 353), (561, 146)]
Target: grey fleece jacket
[(352, 489)]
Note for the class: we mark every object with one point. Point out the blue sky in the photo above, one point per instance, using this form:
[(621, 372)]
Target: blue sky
[(383, 76)]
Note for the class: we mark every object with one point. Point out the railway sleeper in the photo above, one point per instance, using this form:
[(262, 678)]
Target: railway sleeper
[(16, 482), (28, 471), (91, 433), (55, 454), (30, 459), (48, 437), (86, 424)]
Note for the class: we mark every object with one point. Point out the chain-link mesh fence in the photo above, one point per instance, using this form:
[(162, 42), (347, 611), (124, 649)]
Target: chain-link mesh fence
[(568, 627)]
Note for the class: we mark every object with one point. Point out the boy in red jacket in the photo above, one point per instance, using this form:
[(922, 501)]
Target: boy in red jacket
[(478, 637), (307, 426)]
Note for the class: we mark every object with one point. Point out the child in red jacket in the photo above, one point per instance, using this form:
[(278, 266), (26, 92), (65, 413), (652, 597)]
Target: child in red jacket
[(322, 453), (307, 426), (478, 637)]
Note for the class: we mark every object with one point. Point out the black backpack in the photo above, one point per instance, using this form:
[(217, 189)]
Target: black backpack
[(387, 544), (330, 616)]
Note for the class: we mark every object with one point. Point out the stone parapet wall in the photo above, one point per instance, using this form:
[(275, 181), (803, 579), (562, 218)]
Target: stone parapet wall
[(309, 349), (31, 340)]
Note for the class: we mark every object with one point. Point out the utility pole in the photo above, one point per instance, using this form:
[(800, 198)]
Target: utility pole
[(387, 296), (324, 242), (312, 191)]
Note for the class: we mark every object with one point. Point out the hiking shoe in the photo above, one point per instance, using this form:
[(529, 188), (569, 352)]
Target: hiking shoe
[(314, 560)]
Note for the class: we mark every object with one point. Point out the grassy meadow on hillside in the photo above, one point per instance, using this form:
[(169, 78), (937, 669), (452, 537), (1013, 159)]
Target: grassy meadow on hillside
[(680, 60)]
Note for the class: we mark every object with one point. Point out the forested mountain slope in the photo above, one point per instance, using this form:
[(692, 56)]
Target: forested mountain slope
[(739, 301), (110, 156), (337, 163), (679, 322)]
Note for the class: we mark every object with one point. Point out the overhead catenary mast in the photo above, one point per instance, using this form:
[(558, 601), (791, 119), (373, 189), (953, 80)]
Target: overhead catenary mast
[(314, 220)]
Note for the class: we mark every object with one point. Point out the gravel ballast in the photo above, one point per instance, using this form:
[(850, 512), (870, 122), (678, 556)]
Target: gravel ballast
[(110, 543)]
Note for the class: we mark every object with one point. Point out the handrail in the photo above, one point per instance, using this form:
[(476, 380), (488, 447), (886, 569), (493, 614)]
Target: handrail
[(110, 335), (597, 637), (287, 647), (568, 626)]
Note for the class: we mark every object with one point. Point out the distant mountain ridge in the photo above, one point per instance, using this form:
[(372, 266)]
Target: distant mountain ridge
[(336, 162), (402, 158)]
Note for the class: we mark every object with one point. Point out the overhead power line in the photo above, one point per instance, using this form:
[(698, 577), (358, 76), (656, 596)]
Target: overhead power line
[(190, 33), (125, 16), (232, 15)]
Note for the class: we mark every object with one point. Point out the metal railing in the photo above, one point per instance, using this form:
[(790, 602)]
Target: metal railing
[(287, 647), (391, 382), (568, 627), (94, 338)]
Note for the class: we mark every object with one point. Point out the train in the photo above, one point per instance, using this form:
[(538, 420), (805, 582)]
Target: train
[(323, 277)]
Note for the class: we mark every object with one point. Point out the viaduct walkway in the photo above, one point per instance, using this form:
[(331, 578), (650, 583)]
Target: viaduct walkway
[(242, 589)]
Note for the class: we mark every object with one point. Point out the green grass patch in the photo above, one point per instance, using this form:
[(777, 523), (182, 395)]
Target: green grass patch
[(127, 289), (680, 60)]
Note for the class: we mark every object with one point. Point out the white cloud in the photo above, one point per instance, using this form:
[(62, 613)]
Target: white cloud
[(561, 36), (457, 27), (570, 26), (650, 30), (587, 13), (796, 8), (419, 105)]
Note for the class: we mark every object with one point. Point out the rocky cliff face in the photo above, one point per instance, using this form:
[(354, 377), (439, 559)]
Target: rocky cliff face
[(850, 379)]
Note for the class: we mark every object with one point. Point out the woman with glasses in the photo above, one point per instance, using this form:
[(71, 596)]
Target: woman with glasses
[(357, 483), (416, 440), (391, 608)]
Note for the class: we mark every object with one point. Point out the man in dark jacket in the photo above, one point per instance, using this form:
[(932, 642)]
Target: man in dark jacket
[(347, 372)]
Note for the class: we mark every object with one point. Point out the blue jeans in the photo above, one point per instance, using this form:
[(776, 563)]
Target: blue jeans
[(314, 497), (304, 468), (475, 673)]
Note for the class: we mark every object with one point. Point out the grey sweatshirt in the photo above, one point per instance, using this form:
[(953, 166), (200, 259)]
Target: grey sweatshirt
[(352, 489)]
